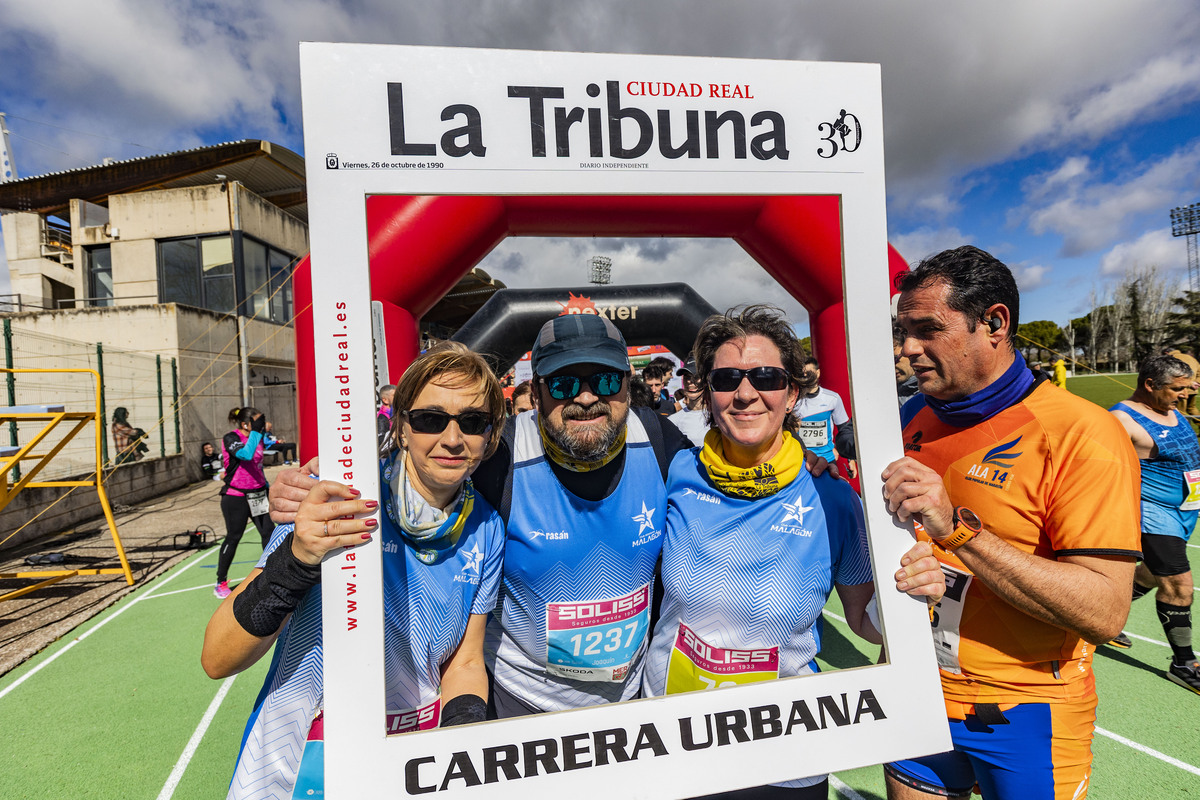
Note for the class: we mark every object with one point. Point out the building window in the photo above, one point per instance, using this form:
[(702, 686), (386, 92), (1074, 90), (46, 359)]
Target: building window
[(201, 271), (268, 281), (100, 282)]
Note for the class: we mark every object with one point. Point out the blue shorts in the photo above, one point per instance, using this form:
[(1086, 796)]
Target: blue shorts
[(1164, 521), (1042, 752)]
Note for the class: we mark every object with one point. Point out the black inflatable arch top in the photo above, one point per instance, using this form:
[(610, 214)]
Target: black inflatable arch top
[(504, 328)]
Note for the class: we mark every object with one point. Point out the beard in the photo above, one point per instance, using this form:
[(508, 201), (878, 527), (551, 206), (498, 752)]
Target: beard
[(585, 445)]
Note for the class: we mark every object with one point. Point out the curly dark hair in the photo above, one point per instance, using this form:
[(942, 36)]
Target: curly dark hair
[(738, 323)]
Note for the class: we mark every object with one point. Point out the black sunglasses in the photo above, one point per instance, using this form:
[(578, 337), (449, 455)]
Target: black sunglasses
[(764, 379), (605, 383), (428, 420)]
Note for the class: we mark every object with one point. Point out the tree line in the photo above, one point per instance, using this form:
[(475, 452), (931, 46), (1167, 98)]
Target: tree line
[(1138, 317)]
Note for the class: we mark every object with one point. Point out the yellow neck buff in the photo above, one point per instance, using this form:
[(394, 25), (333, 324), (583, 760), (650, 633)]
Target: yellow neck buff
[(762, 481), (560, 457)]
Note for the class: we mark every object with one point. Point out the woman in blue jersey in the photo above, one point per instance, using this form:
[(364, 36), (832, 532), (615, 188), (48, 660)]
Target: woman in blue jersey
[(442, 549), (754, 544)]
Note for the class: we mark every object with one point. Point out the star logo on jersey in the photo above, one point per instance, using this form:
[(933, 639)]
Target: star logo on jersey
[(645, 519), (795, 511), (474, 560)]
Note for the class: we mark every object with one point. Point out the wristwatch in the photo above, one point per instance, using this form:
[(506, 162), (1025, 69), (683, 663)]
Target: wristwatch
[(967, 526)]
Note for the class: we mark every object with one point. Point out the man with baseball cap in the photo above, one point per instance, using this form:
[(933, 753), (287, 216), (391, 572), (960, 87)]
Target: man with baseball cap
[(581, 487)]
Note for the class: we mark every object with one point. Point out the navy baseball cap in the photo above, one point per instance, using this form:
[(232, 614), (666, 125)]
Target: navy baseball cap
[(572, 339), (688, 367)]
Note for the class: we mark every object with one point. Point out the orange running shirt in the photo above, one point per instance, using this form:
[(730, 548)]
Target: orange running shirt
[(1053, 475)]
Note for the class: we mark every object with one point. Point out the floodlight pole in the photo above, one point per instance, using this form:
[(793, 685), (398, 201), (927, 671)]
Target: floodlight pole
[(601, 271), (1185, 221)]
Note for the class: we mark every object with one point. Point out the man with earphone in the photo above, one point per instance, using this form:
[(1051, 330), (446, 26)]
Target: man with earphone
[(1007, 476)]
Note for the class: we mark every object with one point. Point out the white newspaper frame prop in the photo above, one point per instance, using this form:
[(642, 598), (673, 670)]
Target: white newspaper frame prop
[(894, 709)]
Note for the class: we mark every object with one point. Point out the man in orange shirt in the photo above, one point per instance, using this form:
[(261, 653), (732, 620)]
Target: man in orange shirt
[(1030, 496)]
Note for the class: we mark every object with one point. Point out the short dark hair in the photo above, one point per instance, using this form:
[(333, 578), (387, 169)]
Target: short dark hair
[(977, 280), (738, 323), (522, 388), (653, 371), (812, 360), (1161, 370)]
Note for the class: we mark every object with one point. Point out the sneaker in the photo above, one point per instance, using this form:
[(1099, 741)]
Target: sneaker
[(221, 590), (1186, 675), (1122, 641)]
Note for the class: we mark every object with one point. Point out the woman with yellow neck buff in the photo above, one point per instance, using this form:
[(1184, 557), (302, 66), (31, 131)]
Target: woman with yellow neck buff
[(754, 544)]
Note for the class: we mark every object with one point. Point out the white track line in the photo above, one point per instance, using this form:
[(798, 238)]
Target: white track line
[(193, 744), (207, 586), (1146, 639), (99, 625), (844, 790), (1141, 748)]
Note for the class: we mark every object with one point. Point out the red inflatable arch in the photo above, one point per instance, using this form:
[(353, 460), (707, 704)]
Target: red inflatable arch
[(419, 247)]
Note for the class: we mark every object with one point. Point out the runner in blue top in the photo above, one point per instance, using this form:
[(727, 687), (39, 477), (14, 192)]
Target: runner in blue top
[(442, 552), (754, 544), (1170, 460)]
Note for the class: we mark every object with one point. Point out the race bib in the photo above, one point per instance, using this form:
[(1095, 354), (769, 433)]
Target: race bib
[(947, 616), (415, 719), (259, 504), (814, 433), (697, 665), (1191, 478), (597, 640), (310, 777)]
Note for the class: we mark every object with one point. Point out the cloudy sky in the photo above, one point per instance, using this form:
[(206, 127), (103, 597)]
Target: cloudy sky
[(1056, 135)]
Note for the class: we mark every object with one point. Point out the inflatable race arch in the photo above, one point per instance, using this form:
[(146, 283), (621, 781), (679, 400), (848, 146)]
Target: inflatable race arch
[(420, 246)]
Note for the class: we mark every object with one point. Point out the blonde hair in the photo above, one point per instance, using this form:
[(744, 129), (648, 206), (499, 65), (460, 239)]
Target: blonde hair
[(466, 369)]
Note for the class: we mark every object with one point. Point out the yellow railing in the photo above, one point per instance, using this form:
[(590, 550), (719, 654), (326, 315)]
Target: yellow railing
[(52, 417)]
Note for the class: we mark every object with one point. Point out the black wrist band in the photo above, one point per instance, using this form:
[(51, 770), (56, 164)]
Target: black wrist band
[(276, 592), (463, 710)]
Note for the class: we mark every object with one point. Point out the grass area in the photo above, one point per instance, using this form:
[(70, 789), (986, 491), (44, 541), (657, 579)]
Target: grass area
[(114, 714), (1103, 390)]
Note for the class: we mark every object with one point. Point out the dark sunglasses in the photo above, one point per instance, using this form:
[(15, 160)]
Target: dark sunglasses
[(428, 420), (605, 383), (764, 379)]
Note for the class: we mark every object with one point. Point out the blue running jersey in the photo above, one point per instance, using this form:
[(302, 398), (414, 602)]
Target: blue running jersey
[(743, 575), (426, 608), (745, 580), (578, 577), (1172, 478)]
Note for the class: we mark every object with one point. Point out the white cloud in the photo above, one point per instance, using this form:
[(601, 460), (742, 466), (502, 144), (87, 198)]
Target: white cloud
[(966, 85), (1090, 215), (925, 241), (1153, 248), (1029, 276)]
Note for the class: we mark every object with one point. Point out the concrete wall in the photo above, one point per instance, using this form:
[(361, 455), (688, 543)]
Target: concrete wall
[(205, 346), (27, 268), (135, 222), (127, 485)]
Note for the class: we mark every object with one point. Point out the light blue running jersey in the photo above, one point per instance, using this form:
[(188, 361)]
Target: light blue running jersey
[(1171, 478), (745, 580), (745, 575), (426, 608), (578, 578)]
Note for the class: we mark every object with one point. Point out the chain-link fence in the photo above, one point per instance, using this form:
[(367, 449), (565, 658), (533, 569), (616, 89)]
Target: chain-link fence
[(144, 386)]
